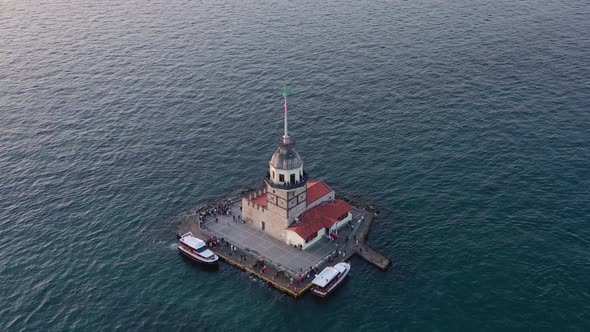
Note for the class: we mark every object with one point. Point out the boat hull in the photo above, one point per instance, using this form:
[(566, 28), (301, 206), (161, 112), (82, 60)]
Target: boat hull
[(196, 258)]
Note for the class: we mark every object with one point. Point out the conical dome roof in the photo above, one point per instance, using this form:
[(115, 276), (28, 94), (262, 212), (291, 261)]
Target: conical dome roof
[(285, 157)]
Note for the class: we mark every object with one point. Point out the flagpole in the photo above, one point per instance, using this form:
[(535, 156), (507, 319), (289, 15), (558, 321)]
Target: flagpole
[(286, 135)]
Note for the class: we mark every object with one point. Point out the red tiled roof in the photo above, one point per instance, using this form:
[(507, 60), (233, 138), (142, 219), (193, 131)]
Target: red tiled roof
[(318, 217), (316, 190), (260, 200)]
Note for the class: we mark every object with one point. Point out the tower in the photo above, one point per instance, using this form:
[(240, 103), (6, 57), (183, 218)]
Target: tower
[(285, 182), (289, 208)]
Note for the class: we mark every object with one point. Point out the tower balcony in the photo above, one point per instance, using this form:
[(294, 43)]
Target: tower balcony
[(302, 181)]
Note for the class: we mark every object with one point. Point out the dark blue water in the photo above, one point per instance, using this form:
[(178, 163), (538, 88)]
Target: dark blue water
[(466, 122)]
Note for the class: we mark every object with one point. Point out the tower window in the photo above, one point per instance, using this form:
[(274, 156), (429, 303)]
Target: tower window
[(273, 174), (292, 178), (281, 177)]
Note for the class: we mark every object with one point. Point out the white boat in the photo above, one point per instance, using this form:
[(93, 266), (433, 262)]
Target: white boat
[(329, 278), (196, 249)]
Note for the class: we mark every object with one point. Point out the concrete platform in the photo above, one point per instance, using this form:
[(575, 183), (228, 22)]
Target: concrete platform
[(246, 237), (282, 266)]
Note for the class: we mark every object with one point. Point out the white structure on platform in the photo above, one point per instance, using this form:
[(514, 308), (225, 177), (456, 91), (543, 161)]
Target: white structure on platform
[(289, 207)]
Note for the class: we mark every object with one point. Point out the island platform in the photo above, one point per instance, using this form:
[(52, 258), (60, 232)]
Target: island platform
[(285, 267), (287, 230)]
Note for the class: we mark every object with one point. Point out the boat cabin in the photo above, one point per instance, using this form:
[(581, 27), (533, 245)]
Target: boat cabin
[(326, 278), (196, 248)]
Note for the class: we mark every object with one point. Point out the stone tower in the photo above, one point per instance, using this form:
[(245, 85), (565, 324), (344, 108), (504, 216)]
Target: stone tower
[(285, 183)]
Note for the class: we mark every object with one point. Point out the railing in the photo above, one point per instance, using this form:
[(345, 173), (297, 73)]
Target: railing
[(302, 181)]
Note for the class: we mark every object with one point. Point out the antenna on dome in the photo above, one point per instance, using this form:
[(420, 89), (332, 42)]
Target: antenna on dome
[(285, 94)]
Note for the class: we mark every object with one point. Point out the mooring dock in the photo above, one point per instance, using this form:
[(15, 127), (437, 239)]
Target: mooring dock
[(362, 249), (286, 268)]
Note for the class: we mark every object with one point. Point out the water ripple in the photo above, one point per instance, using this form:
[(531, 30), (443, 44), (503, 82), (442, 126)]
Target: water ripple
[(466, 123)]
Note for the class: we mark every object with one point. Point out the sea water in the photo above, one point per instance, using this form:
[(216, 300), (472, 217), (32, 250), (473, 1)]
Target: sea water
[(467, 123)]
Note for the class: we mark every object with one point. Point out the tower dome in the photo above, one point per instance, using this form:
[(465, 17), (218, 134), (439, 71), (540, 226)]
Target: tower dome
[(286, 166), (285, 157)]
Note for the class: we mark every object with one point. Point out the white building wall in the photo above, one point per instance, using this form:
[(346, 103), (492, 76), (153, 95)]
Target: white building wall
[(294, 238), (327, 197), (274, 174), (339, 224)]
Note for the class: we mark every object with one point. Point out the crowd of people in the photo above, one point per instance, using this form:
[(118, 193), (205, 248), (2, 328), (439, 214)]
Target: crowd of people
[(221, 208)]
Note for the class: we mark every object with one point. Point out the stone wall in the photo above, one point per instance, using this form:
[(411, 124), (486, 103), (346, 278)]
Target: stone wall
[(285, 205), (263, 218)]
